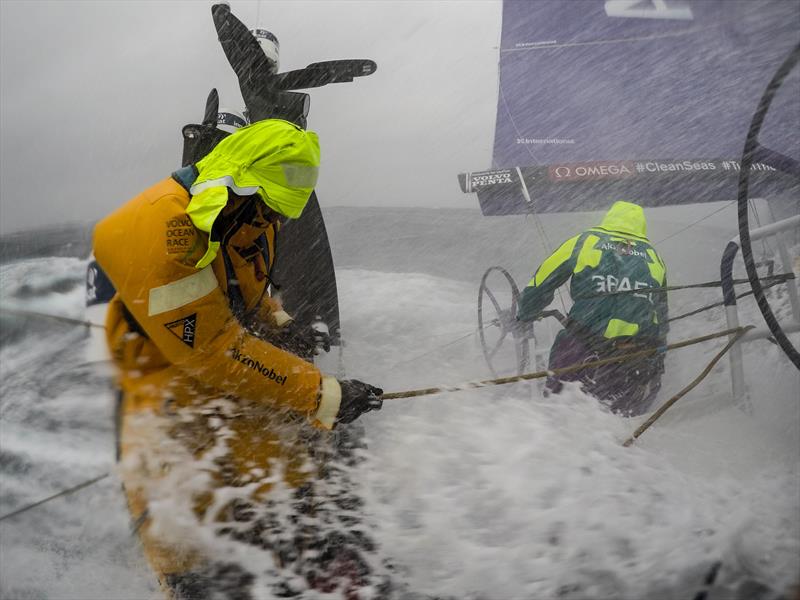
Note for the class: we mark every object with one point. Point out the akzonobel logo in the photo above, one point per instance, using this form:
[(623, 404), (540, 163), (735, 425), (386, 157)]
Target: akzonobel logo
[(251, 363)]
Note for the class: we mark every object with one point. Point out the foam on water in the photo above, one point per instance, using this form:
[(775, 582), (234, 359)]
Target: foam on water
[(491, 493), (502, 493)]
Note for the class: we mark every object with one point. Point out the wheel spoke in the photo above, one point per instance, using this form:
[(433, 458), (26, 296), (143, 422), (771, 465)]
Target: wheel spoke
[(497, 346), (494, 301), (489, 354)]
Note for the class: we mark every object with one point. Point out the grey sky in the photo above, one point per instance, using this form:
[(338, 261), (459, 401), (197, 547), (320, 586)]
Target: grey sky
[(93, 96)]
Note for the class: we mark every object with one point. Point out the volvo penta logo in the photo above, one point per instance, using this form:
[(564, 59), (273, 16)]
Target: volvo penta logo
[(490, 178)]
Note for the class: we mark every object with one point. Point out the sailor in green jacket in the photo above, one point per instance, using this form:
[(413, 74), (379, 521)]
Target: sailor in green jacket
[(616, 256)]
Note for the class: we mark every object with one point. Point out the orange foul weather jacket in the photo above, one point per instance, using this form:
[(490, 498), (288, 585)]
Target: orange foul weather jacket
[(203, 399), (170, 326)]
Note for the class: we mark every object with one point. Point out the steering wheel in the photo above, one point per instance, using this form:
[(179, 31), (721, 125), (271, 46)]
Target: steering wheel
[(497, 324), (755, 152)]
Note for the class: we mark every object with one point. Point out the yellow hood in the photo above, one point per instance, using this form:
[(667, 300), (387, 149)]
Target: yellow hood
[(626, 217), (275, 159)]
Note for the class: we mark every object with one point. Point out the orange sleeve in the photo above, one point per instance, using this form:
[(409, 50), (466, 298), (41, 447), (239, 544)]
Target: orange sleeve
[(149, 248)]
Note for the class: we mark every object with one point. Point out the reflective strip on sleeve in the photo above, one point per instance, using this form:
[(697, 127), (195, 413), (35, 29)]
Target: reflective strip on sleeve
[(226, 181), (656, 266), (182, 292), (552, 262), (329, 402), (588, 256), (281, 317)]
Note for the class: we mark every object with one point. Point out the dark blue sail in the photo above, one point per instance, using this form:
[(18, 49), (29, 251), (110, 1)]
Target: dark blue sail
[(648, 100)]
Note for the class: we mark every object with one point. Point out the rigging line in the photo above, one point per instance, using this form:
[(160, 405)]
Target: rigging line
[(720, 303), (663, 408), (546, 244), (403, 362), (31, 313), (492, 323), (495, 322), (690, 225), (564, 370), (765, 249), (54, 496), (751, 203)]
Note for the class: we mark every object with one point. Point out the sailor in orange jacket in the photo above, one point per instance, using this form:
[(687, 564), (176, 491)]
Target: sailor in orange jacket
[(190, 258)]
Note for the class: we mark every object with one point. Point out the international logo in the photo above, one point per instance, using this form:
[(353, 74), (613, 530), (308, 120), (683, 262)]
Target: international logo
[(184, 329)]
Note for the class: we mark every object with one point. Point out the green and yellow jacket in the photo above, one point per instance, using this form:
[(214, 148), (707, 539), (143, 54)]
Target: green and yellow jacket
[(616, 256)]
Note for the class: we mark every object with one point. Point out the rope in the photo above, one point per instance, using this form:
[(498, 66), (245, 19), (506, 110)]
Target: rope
[(737, 333), (720, 303), (690, 225), (779, 279), (547, 251), (546, 245), (458, 339), (772, 279), (657, 415), (776, 280), (54, 496), (564, 370)]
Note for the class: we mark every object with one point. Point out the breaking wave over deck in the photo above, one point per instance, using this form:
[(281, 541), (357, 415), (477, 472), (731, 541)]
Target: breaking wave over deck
[(494, 493)]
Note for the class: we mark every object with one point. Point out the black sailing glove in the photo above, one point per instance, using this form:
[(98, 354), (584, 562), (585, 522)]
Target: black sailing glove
[(509, 322), (357, 398), (302, 340)]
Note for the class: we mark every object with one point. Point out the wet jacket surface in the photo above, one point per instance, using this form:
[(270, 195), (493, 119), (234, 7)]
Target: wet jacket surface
[(616, 256), (167, 313), (211, 415)]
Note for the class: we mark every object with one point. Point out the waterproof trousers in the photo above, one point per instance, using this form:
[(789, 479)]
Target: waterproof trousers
[(627, 388)]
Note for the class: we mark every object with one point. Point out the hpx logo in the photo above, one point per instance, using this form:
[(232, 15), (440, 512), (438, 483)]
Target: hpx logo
[(267, 372), (184, 329)]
